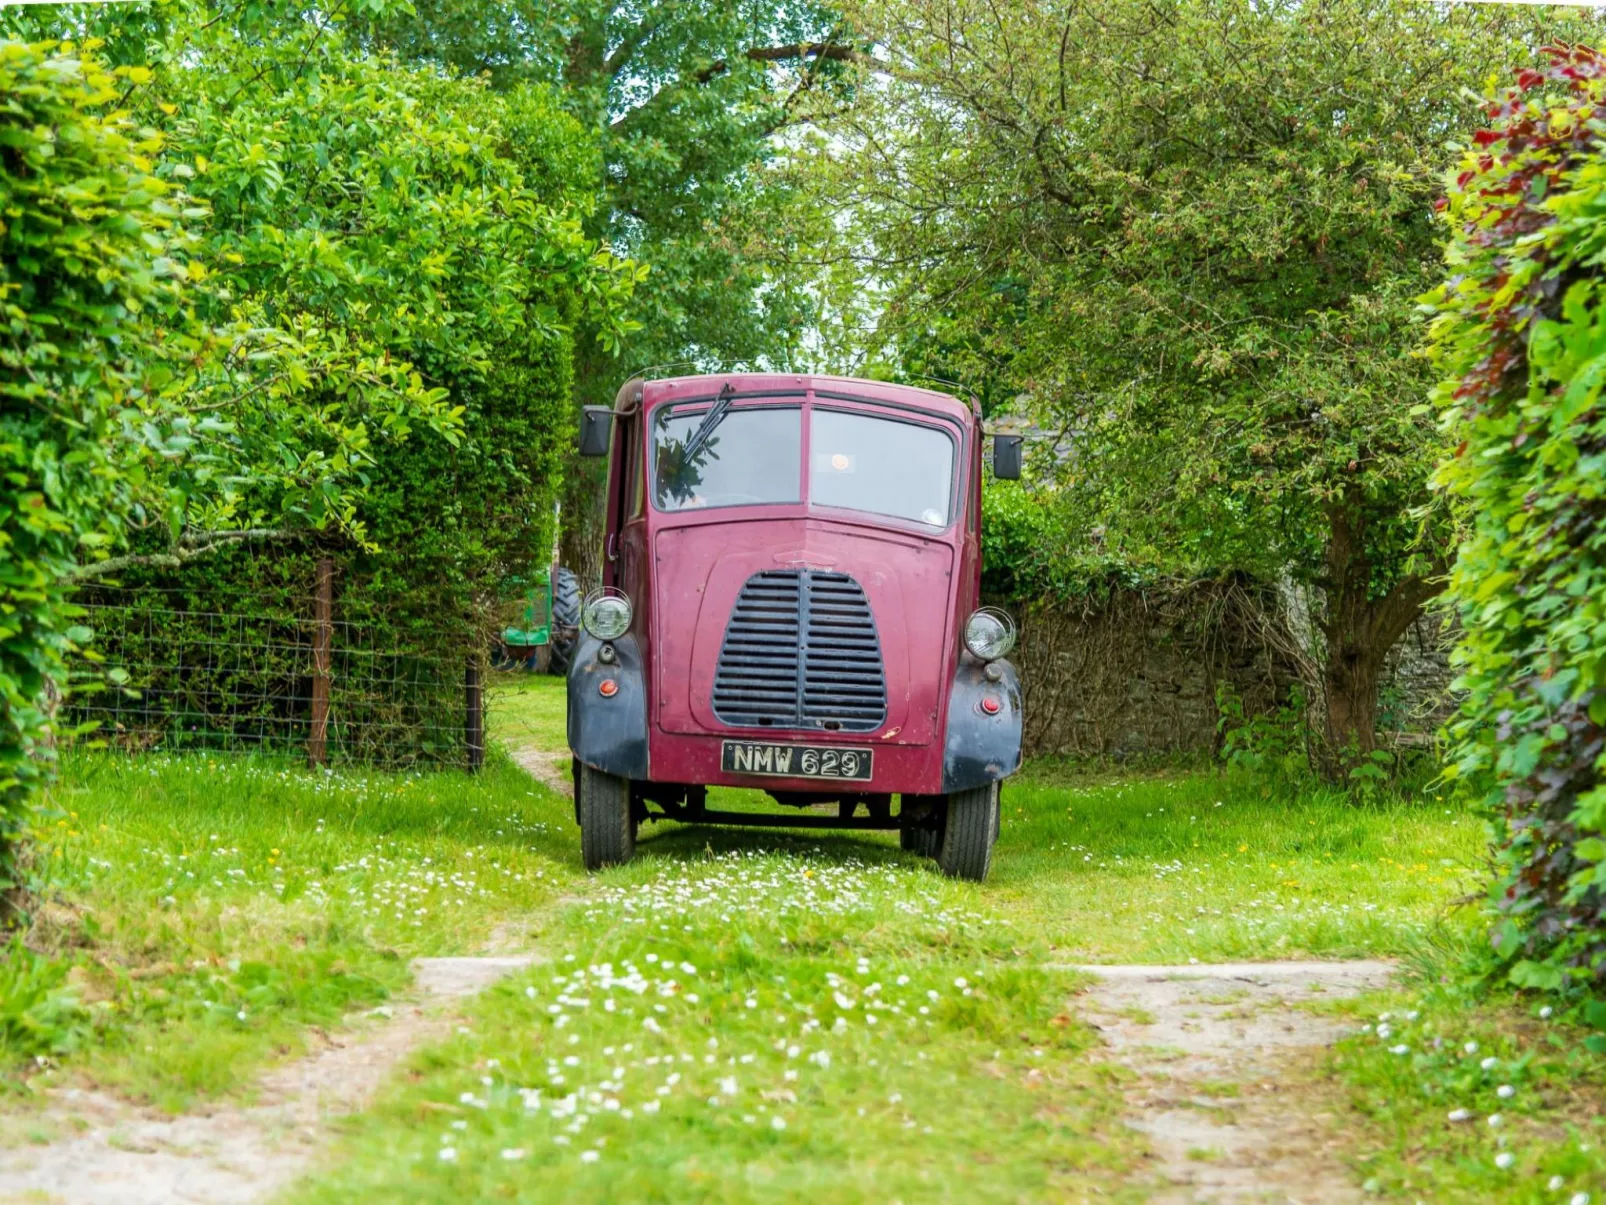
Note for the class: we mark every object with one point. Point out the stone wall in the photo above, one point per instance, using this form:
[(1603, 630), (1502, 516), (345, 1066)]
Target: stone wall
[(1136, 673), (1416, 695)]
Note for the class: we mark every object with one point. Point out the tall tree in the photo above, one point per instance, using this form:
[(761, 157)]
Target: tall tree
[(1189, 236), (684, 97)]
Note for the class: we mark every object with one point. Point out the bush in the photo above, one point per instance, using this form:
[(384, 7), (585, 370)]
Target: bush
[(420, 240), (1520, 333), (39, 1012), (1036, 547), (87, 265), (1272, 743), (389, 266)]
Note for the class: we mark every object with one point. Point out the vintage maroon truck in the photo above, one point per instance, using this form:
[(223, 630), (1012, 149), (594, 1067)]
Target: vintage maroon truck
[(791, 602)]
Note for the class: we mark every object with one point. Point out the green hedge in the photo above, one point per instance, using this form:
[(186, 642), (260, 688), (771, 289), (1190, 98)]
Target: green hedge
[(362, 218), (436, 221), (85, 237), (1520, 333), (269, 293)]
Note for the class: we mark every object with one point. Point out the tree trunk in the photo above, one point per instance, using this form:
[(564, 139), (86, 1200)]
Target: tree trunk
[(1359, 631), (1350, 680)]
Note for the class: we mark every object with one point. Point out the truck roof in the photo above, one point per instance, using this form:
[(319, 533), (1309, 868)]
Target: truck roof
[(709, 385)]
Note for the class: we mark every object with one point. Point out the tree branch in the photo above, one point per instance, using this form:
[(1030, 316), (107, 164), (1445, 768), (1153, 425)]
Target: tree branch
[(190, 546), (626, 50), (817, 51), (1401, 606)]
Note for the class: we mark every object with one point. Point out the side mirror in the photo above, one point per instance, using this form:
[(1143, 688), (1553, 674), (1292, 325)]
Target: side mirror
[(1007, 457), (596, 426)]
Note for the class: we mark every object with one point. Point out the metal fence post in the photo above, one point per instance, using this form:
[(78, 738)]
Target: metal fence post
[(322, 639), (474, 727)]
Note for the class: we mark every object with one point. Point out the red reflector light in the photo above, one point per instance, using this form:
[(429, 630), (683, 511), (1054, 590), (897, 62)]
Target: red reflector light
[(607, 688), (990, 705)]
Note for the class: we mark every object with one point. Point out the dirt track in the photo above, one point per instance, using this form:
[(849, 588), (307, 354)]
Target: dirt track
[(1209, 1046), (112, 1153)]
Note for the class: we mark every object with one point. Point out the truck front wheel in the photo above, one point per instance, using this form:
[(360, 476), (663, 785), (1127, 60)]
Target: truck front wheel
[(607, 828), (968, 834)]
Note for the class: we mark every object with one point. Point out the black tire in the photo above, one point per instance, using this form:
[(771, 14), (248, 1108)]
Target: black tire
[(967, 837), (920, 840), (565, 620), (607, 829)]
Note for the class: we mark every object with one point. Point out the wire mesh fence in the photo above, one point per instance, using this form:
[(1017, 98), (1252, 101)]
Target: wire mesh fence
[(293, 668)]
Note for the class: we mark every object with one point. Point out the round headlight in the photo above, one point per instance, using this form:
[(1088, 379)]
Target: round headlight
[(606, 616), (989, 634)]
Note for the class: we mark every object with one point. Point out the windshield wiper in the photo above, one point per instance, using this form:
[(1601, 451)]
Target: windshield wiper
[(715, 416)]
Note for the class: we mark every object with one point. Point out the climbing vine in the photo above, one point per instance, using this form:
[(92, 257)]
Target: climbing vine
[(1520, 335)]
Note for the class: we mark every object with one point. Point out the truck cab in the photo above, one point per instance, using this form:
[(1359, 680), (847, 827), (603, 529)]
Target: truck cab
[(791, 602)]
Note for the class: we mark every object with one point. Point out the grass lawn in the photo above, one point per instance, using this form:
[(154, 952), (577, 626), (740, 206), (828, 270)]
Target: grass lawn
[(791, 1025), (747, 1014), (527, 710), (205, 912), (1156, 867), (1453, 1095), (1168, 868)]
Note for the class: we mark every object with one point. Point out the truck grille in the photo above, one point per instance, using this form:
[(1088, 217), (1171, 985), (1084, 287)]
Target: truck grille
[(801, 651)]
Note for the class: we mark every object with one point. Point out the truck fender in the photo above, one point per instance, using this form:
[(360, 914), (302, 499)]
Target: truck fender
[(980, 748), (608, 732)]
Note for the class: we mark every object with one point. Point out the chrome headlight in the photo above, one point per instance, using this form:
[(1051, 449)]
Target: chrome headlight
[(990, 634), (606, 615)]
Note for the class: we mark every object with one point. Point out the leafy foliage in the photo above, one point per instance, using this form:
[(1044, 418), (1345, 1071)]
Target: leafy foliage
[(1035, 549), (1270, 745), (90, 258), (261, 285), (1520, 336), (39, 1013), (684, 101), (392, 224), (1189, 239), (432, 223)]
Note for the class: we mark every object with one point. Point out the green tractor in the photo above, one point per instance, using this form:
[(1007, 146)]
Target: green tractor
[(543, 613)]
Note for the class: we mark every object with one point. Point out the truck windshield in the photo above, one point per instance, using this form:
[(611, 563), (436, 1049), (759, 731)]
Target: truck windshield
[(881, 465), (751, 457)]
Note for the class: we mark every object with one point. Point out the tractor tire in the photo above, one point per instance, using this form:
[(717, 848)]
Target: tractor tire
[(565, 620), (967, 837), (607, 827)]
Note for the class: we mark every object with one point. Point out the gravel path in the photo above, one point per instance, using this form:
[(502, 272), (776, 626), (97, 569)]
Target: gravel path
[(117, 1154), (549, 769), (1208, 1046)]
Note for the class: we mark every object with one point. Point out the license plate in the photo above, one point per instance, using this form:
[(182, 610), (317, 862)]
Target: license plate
[(795, 761)]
